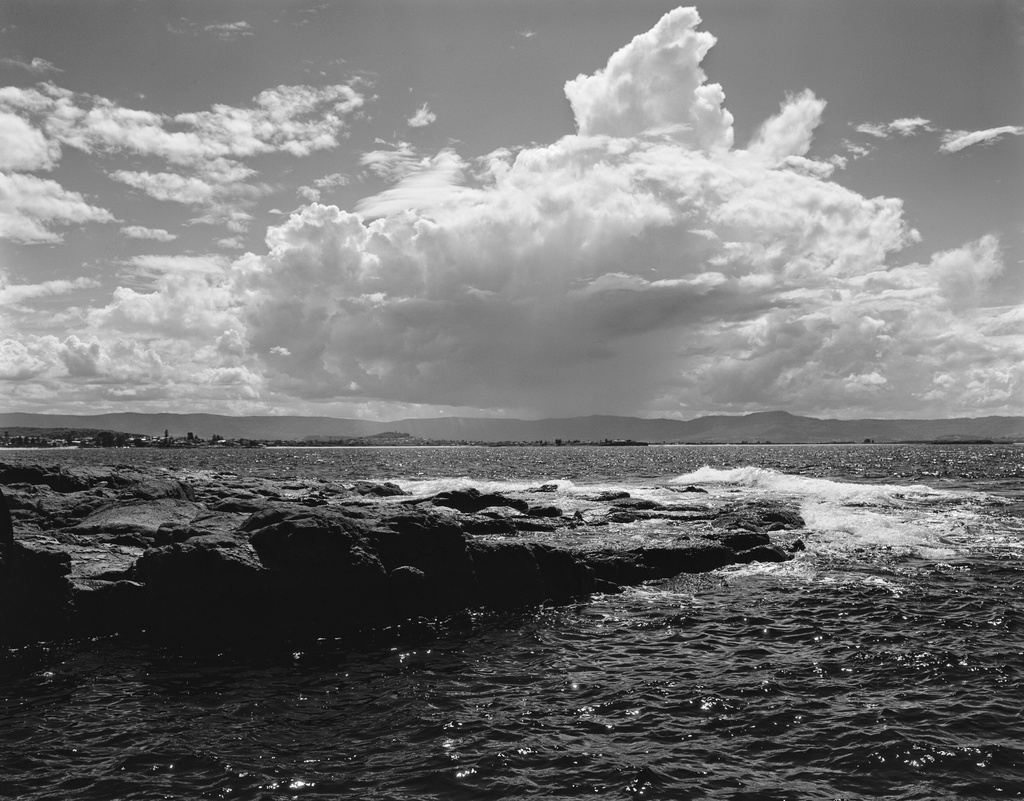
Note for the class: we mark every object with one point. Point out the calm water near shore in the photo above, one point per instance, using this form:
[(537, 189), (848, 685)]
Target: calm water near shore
[(885, 661)]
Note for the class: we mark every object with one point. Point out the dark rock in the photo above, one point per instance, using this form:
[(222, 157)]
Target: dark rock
[(610, 495), (744, 540), (643, 564), (308, 540), (35, 596), (528, 525), (697, 557), (77, 555), (507, 574), (639, 504), (101, 561), (213, 586), (483, 525), (200, 526), (107, 607), (436, 546), (265, 517), (248, 503), (6, 526), (737, 520), (154, 488), (763, 553), (408, 587), (142, 518), (565, 575), (144, 486), (386, 490), (617, 568), (56, 478), (691, 488), (758, 516), (324, 574), (472, 500), (782, 518)]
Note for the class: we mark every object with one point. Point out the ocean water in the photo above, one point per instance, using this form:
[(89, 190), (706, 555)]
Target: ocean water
[(885, 661)]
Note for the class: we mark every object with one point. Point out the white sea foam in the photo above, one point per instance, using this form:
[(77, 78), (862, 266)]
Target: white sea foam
[(759, 478), (844, 518)]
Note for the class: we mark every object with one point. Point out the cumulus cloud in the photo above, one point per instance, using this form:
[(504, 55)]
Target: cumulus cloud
[(643, 263), (24, 148), (204, 149), (908, 126), (332, 180), (955, 141), (656, 82), (789, 133), (31, 206), (141, 232), (423, 117), (312, 194)]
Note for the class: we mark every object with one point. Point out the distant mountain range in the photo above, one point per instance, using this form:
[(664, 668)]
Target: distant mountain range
[(775, 427)]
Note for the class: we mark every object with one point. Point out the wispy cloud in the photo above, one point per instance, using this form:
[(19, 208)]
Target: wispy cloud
[(423, 117), (952, 141), (230, 30), (955, 141), (17, 294), (905, 126), (39, 66)]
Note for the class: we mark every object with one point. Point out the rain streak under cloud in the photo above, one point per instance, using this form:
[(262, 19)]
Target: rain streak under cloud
[(646, 264)]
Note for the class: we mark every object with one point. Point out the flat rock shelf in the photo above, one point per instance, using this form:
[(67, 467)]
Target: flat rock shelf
[(95, 551)]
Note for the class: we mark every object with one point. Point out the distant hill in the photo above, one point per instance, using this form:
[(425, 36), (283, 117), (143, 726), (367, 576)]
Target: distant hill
[(759, 427)]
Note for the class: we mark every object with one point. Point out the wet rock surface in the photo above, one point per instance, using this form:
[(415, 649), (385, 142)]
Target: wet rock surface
[(97, 551)]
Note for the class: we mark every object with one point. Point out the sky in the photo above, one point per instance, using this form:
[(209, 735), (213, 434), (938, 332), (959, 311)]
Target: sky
[(542, 208)]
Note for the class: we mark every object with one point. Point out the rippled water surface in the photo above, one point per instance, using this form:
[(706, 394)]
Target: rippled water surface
[(886, 661)]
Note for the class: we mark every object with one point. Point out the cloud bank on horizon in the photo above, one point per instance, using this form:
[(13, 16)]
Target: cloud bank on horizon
[(645, 264)]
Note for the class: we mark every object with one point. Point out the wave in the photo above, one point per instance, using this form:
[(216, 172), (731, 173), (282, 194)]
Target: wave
[(862, 522), (761, 478)]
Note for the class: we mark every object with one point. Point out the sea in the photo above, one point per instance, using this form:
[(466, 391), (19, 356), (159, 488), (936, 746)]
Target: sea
[(885, 661)]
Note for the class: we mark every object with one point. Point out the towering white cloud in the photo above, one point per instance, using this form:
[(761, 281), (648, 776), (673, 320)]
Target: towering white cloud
[(655, 82), (789, 133)]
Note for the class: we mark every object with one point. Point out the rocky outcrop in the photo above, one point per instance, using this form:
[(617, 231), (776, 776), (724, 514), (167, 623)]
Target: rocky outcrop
[(35, 596), (95, 552)]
